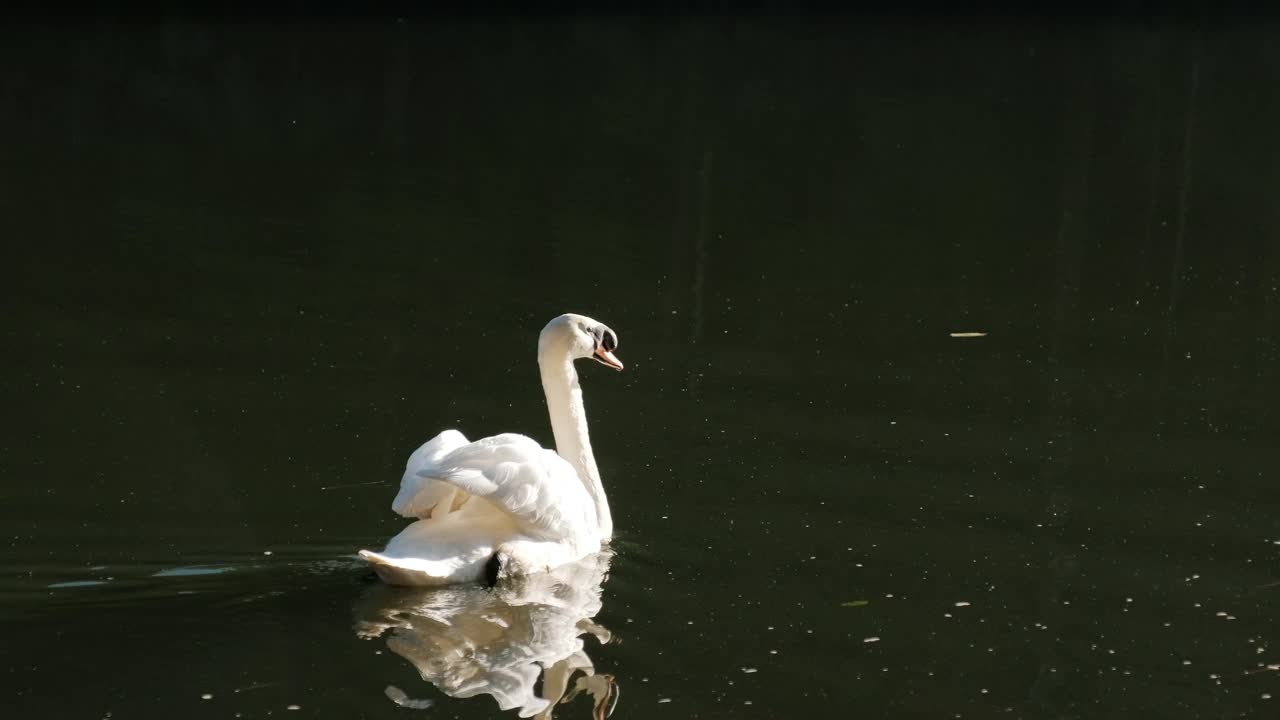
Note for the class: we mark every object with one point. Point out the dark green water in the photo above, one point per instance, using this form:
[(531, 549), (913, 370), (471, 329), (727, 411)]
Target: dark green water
[(249, 267)]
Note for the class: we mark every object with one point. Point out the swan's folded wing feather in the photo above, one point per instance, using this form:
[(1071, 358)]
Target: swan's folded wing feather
[(420, 494), (535, 486)]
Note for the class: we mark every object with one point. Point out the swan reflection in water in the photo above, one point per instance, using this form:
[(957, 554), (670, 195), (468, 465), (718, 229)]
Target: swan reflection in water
[(471, 640)]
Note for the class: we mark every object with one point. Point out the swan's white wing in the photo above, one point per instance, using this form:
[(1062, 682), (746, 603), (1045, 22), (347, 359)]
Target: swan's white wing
[(514, 495), (536, 487), (419, 495)]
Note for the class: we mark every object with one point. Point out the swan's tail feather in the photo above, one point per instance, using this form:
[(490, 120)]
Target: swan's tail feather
[(419, 572), (421, 494), (393, 571)]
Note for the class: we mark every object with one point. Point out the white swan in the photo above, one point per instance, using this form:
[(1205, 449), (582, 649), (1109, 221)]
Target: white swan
[(504, 505)]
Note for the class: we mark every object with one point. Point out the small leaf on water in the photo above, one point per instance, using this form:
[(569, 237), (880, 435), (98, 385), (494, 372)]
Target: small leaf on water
[(854, 603)]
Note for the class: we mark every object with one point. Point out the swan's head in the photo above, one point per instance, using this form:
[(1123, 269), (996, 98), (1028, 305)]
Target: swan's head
[(580, 337)]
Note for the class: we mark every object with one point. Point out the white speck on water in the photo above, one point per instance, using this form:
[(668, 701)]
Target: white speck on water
[(664, 700), (1266, 696), (983, 691), (962, 603), (294, 707), (1220, 614), (871, 639), (749, 670), (207, 696), (773, 652), (266, 552), (1186, 662)]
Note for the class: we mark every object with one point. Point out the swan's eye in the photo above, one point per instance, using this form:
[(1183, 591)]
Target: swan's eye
[(609, 340)]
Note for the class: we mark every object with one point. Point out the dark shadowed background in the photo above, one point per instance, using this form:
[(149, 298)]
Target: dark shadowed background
[(249, 266)]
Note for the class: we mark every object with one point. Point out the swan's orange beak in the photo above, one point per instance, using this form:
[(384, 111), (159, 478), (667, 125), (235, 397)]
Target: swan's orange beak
[(608, 358)]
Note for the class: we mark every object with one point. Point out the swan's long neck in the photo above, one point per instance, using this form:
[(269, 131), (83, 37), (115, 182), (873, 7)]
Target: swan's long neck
[(569, 423)]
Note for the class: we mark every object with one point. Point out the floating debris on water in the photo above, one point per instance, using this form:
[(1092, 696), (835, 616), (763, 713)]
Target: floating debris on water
[(749, 670), (968, 334), (207, 696), (76, 584), (871, 639), (189, 571), (855, 603), (963, 603), (402, 699)]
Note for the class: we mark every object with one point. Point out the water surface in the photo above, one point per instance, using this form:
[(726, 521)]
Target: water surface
[(251, 267)]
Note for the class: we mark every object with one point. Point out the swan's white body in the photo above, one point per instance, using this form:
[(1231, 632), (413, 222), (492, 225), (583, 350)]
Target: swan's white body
[(505, 497)]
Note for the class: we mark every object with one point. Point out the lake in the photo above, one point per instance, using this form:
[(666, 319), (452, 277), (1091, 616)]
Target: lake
[(951, 363)]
